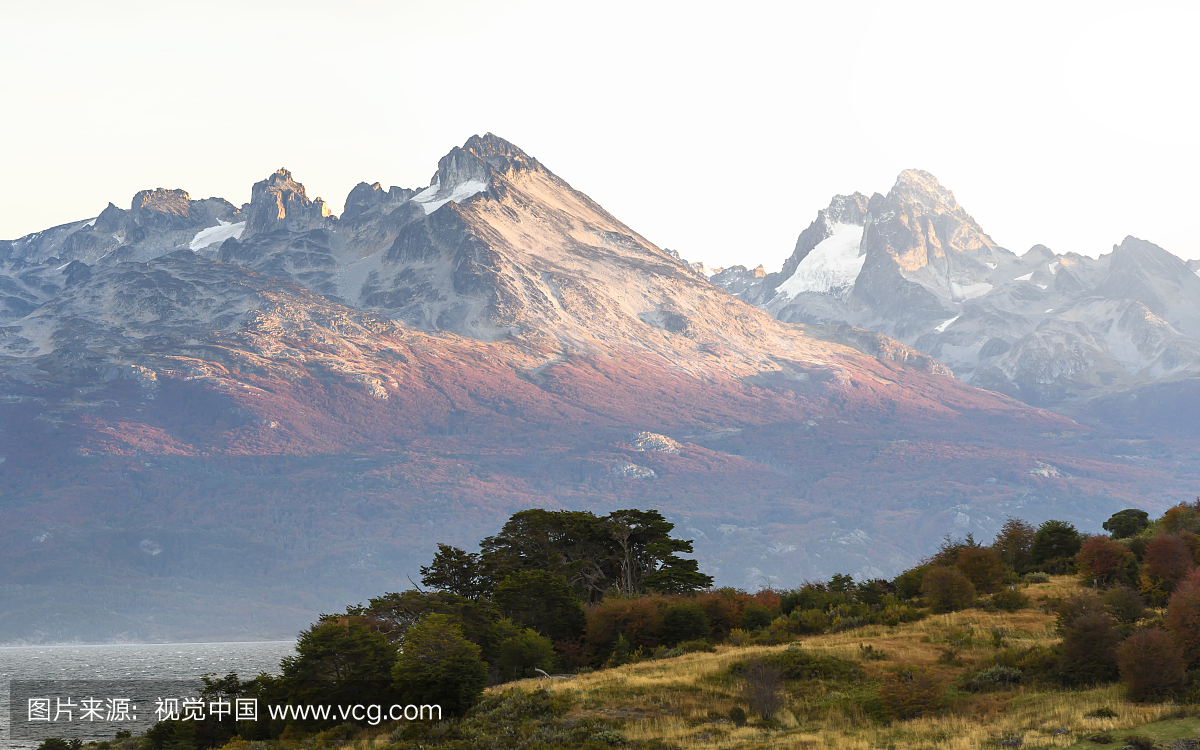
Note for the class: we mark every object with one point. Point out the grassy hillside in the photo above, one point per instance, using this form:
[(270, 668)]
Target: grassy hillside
[(685, 701)]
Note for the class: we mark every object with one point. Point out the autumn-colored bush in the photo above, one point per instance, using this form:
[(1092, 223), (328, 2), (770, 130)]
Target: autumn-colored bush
[(639, 620), (983, 566), (1168, 557), (946, 589), (1086, 602), (1183, 617), (1183, 517), (1151, 664), (1089, 650), (911, 692), (1193, 543), (1167, 561), (724, 608), (1106, 561)]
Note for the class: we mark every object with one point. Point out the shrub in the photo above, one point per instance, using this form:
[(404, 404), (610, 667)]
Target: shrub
[(764, 688), (811, 621), (1089, 650), (908, 583), (1167, 558), (911, 692), (54, 743), (684, 621), (1104, 712), (870, 653), (1078, 605), (1183, 618), (1010, 600), (993, 678), (1036, 577), (438, 665), (982, 566), (946, 589), (737, 715), (691, 647), (1138, 742), (1055, 543), (1100, 738), (1124, 604), (1151, 664), (797, 664), (1102, 560), (756, 616)]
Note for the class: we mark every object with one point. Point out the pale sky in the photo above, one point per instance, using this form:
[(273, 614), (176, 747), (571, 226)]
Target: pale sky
[(718, 130)]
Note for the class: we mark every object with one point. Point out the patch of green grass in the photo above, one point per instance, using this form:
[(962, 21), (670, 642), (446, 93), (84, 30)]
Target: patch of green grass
[(1162, 732)]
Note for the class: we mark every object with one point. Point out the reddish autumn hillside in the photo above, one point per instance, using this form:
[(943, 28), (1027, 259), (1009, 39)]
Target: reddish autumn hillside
[(222, 441)]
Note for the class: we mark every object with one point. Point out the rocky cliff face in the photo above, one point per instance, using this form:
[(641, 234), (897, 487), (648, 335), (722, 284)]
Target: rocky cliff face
[(1048, 328)]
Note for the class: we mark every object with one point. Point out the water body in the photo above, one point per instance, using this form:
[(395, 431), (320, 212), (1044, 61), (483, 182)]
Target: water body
[(158, 661)]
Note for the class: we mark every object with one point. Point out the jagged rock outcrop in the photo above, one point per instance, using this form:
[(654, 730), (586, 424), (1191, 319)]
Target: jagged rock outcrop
[(279, 203)]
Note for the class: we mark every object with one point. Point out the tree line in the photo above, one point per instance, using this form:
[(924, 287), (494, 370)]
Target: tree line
[(569, 590)]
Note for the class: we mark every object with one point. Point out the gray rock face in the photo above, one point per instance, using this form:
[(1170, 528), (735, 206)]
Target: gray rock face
[(1041, 326), (279, 202)]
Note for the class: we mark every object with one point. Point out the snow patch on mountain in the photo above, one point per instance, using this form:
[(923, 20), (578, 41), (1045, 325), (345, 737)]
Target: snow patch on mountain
[(1026, 277), (214, 235), (969, 291), (832, 266), (432, 198), (942, 328)]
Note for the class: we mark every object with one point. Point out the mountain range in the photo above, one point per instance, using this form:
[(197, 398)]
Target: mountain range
[(216, 421), (1084, 335)]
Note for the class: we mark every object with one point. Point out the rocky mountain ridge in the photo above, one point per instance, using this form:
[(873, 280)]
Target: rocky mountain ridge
[(1050, 329)]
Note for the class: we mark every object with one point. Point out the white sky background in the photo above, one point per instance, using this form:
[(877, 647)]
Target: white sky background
[(717, 130)]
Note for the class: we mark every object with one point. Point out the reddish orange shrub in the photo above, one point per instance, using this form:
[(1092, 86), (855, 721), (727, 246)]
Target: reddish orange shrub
[(1167, 558), (1183, 617), (638, 619), (1151, 664), (983, 566), (1107, 560)]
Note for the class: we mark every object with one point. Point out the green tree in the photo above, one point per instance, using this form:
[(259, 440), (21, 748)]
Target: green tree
[(54, 743), (542, 601), (455, 571), (1126, 523), (521, 655), (439, 666), (340, 660), (1014, 544), (631, 550), (1055, 544), (648, 556)]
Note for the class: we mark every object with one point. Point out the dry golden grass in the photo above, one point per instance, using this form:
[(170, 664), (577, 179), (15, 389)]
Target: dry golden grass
[(681, 700)]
